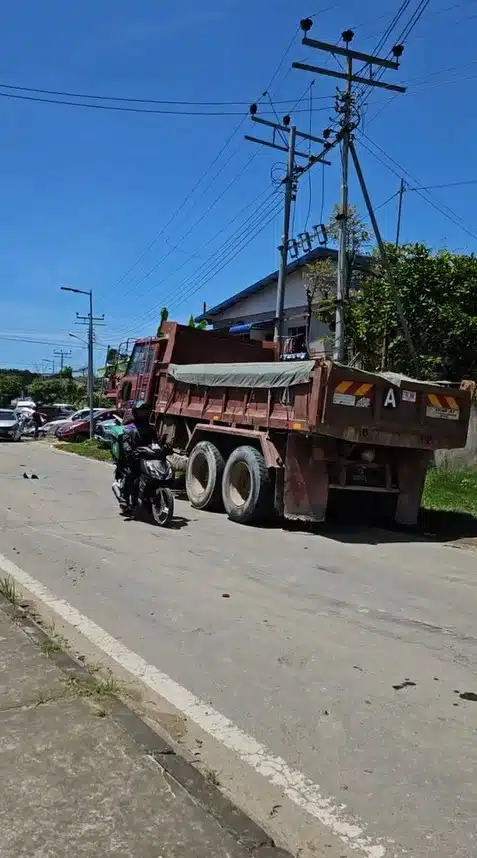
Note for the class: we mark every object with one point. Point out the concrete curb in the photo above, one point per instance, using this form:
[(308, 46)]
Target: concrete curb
[(248, 834)]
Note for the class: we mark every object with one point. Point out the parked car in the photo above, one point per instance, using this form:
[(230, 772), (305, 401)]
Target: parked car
[(102, 427), (9, 425), (57, 411), (23, 405), (78, 430), (52, 426)]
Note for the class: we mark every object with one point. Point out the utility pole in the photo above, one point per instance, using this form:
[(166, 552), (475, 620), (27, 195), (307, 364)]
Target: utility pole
[(282, 274), (88, 320), (384, 258), (402, 188), (290, 186), (341, 286), (346, 107), (61, 354)]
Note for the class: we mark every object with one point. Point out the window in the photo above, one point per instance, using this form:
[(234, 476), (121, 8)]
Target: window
[(297, 332), (141, 359)]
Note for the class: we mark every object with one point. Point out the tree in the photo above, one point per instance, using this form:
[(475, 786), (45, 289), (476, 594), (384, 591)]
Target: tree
[(438, 292), (164, 318), (320, 286), (193, 324), (321, 276), (46, 391), (11, 387)]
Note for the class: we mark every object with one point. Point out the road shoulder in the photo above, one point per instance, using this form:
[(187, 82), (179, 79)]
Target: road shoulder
[(84, 773)]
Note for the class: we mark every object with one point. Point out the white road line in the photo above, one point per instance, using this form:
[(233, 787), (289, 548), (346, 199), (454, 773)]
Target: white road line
[(298, 788)]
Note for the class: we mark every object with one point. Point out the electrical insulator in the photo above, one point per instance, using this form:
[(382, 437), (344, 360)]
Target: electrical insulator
[(347, 36), (305, 241), (322, 234), (398, 51), (253, 109), (286, 120), (306, 24)]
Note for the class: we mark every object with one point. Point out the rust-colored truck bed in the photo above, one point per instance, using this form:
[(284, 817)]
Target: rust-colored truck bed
[(320, 397), (309, 428)]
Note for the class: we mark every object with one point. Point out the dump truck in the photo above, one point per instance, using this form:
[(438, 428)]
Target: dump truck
[(268, 437)]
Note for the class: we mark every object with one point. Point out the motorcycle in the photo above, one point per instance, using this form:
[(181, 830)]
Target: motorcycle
[(142, 485)]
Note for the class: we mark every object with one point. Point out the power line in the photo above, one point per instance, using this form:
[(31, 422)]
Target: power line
[(222, 229), (207, 171), (244, 231), (131, 100), (415, 18), (450, 214), (446, 185), (32, 341), (122, 108), (214, 274), (196, 223)]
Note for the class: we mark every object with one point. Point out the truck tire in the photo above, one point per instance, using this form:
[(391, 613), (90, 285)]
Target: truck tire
[(246, 486), (204, 476)]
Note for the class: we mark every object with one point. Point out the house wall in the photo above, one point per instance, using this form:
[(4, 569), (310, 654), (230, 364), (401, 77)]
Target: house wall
[(264, 300), (261, 307)]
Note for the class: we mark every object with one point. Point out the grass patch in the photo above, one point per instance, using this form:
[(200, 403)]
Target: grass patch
[(94, 688), (8, 589), (213, 777), (48, 647), (453, 490), (92, 449), (449, 503)]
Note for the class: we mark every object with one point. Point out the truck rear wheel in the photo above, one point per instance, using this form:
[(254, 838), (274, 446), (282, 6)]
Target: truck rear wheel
[(246, 486), (204, 476)]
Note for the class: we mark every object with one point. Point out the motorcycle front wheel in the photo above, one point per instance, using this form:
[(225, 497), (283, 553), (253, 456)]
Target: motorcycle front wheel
[(162, 507)]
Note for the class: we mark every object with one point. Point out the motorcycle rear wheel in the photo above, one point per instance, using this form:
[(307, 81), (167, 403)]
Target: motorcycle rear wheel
[(162, 507)]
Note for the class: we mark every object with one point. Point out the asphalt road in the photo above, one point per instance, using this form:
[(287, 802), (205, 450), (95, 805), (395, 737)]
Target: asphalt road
[(345, 655)]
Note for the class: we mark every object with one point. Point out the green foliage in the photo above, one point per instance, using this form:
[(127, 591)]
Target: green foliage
[(164, 318), (438, 292), (66, 372), (201, 325), (358, 236), (46, 391), (11, 387)]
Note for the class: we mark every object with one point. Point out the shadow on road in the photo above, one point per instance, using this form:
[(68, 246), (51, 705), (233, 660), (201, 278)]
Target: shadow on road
[(434, 526)]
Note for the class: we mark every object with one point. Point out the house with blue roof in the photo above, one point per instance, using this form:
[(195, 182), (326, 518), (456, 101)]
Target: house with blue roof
[(251, 311)]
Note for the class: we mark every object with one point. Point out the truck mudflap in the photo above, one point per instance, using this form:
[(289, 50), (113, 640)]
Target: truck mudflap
[(393, 410), (305, 482)]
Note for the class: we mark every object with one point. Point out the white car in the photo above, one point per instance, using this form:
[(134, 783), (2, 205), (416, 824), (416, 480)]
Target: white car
[(52, 427), (9, 425)]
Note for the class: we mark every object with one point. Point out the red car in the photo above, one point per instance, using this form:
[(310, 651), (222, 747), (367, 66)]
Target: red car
[(78, 430)]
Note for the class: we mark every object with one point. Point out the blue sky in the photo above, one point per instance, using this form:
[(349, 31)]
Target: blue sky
[(85, 192)]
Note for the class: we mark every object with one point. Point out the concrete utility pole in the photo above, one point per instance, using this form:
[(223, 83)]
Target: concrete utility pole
[(89, 320), (282, 274), (61, 354), (290, 185), (347, 108), (402, 188)]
